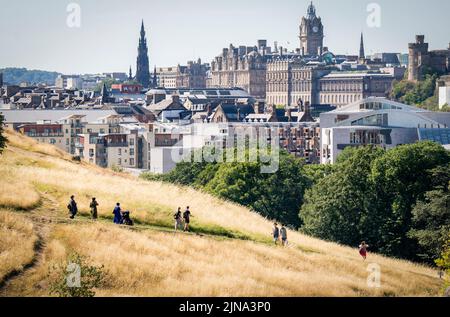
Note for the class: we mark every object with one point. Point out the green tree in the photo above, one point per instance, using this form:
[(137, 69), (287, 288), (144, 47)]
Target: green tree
[(370, 195), (401, 177), (277, 196), (2, 137), (108, 81), (422, 94), (431, 220), (431, 216), (337, 208)]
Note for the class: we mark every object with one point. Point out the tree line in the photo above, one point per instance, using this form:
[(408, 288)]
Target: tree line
[(399, 200)]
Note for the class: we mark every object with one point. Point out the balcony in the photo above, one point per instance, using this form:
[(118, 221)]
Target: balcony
[(45, 135)]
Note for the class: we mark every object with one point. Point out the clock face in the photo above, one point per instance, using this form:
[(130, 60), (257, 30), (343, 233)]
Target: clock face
[(315, 29)]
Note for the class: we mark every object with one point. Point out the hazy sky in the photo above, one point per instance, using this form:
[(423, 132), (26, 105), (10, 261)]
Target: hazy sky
[(34, 34)]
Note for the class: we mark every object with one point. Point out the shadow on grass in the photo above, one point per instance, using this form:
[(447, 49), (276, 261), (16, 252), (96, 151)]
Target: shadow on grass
[(210, 230)]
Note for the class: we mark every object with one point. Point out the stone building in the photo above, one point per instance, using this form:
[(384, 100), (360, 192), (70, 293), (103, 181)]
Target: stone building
[(342, 88), (290, 80), (243, 67), (166, 77), (311, 33), (192, 76), (422, 60)]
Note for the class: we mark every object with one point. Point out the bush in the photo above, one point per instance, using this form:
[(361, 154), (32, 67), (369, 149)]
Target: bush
[(444, 264), (117, 169), (64, 275)]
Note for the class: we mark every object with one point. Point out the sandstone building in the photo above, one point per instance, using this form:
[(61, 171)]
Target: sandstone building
[(241, 67)]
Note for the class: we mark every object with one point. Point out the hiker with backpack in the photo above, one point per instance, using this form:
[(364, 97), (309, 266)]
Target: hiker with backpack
[(93, 207), (283, 234), (72, 206), (363, 250), (187, 219), (276, 233), (117, 212), (178, 221)]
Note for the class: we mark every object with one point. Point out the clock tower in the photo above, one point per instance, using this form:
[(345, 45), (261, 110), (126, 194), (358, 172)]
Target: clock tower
[(311, 33)]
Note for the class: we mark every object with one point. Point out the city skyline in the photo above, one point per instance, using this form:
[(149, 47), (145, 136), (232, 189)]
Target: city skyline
[(108, 36)]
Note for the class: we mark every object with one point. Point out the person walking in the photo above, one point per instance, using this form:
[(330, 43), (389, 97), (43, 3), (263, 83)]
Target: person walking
[(187, 219), (93, 207), (363, 250), (177, 217), (117, 214), (276, 233), (283, 234), (72, 206)]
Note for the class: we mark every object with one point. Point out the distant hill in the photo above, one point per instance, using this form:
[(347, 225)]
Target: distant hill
[(230, 252), (15, 76)]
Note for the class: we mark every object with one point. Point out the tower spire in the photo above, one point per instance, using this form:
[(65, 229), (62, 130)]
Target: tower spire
[(142, 67), (104, 94), (155, 78), (311, 11), (130, 76), (362, 54)]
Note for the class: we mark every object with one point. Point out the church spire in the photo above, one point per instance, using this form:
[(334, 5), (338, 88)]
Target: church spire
[(142, 67), (104, 94), (130, 76), (362, 54)]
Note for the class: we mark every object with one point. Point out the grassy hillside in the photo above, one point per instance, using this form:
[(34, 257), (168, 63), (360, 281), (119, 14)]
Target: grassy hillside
[(229, 254)]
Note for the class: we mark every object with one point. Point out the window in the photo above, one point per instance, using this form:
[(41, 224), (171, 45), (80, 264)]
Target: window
[(119, 161), (52, 141), (132, 141), (376, 120), (119, 151), (131, 161), (131, 152), (91, 152), (366, 137)]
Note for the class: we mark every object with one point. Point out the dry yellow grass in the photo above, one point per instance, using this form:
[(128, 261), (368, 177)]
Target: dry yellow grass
[(17, 242), (157, 263)]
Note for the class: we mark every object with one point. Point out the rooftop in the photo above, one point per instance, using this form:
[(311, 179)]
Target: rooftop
[(31, 116)]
